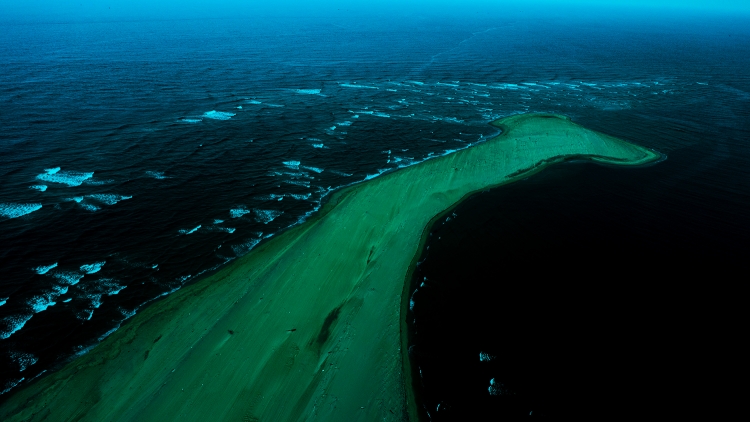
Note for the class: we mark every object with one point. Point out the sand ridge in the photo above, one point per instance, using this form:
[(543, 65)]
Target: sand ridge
[(308, 325)]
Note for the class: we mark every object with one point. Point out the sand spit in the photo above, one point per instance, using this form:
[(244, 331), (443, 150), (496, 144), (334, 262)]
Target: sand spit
[(308, 325)]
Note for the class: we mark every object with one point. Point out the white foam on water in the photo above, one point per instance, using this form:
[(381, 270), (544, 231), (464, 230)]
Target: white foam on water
[(218, 115), (266, 216), (372, 176), (108, 198), (345, 123), (238, 212), (187, 120), (40, 188), (11, 384), (303, 183), (69, 278), (239, 107), (13, 323), (93, 268), (43, 269), (441, 83), (358, 86), (156, 175), (340, 173), (300, 197), (3, 300), (315, 169), (18, 210), (41, 303), (292, 164), (189, 231), (319, 146), (416, 82), (308, 91), (69, 178), (23, 360), (332, 128), (67, 300), (229, 230), (90, 207), (485, 357), (217, 221), (275, 105), (246, 247), (253, 102)]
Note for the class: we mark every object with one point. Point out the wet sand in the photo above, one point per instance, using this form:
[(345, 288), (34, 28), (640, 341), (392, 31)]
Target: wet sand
[(308, 325)]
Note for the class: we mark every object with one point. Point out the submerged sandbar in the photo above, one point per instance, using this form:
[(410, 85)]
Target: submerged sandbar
[(307, 326)]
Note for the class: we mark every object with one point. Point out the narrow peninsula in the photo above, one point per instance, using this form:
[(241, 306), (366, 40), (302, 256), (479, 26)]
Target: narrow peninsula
[(308, 325)]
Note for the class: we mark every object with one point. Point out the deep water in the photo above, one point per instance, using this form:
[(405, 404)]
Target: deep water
[(136, 156)]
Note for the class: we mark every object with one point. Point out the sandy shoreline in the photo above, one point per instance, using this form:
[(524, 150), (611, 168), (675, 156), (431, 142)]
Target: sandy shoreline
[(308, 325)]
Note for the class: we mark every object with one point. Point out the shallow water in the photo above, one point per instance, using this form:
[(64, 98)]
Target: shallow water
[(136, 156)]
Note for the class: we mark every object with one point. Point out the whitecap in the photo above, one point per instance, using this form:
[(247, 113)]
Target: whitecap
[(244, 248), (3, 300), (315, 169), (13, 323), (485, 357), (89, 207), (156, 174), (340, 173), (11, 384), (332, 128), (345, 123), (41, 303), (218, 115), (303, 183), (253, 102), (307, 91), (108, 198), (372, 176), (42, 269), (187, 120), (238, 212), (69, 178), (23, 360), (266, 216), (217, 221), (68, 277), (40, 188), (18, 210), (93, 268), (358, 86), (318, 146), (300, 197), (292, 164), (190, 231)]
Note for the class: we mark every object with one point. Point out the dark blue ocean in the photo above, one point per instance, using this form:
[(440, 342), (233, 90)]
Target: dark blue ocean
[(138, 155)]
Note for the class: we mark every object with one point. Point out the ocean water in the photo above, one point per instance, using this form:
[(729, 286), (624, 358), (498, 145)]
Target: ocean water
[(138, 155)]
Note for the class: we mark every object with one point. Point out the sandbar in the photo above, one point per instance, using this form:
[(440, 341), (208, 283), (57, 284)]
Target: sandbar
[(308, 325)]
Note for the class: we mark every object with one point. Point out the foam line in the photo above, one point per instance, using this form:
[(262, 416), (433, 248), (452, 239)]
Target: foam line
[(18, 210)]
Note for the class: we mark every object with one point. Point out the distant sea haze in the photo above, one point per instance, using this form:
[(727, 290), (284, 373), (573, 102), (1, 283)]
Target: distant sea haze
[(137, 156)]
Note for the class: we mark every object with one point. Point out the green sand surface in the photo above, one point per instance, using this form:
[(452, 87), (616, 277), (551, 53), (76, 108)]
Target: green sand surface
[(308, 325)]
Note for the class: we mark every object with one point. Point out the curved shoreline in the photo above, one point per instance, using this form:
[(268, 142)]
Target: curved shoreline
[(344, 310)]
